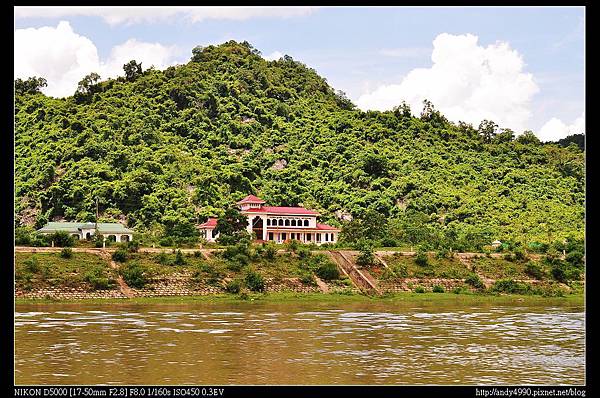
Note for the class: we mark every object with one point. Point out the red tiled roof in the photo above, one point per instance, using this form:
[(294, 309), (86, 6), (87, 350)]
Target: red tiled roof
[(210, 223), (283, 210), (251, 199), (326, 227)]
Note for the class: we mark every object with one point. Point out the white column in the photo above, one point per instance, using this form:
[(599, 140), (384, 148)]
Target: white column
[(264, 223), (249, 227)]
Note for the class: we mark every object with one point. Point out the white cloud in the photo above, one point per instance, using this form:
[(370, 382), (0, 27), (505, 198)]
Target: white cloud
[(466, 82), (64, 57), (555, 129), (274, 56), (133, 15)]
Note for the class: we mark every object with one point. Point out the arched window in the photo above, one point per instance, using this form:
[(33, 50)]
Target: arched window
[(306, 223), (281, 222), (268, 222), (293, 223), (287, 222)]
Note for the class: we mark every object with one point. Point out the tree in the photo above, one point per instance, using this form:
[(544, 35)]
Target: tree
[(132, 70), (231, 226), (528, 138), (403, 110), (505, 135), (33, 85), (86, 87), (487, 130)]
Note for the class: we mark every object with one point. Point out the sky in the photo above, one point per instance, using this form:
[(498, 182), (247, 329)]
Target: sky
[(522, 67)]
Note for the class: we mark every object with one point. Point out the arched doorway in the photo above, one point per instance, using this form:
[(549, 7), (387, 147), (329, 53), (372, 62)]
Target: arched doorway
[(111, 238), (88, 235), (124, 238), (257, 227)]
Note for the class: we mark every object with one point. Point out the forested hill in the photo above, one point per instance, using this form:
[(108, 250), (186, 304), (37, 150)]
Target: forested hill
[(162, 150)]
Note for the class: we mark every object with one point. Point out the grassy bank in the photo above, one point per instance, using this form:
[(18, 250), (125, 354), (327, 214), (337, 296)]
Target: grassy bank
[(391, 299)]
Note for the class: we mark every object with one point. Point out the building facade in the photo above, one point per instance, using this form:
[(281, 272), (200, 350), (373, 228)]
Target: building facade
[(278, 223), (79, 230)]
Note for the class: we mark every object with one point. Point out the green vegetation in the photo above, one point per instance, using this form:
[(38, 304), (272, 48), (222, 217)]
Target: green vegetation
[(438, 289), (135, 274), (67, 252), (166, 149), (407, 267), (366, 257), (475, 281), (399, 299), (120, 255), (83, 270)]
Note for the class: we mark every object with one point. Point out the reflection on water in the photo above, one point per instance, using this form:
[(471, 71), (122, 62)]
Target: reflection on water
[(251, 343)]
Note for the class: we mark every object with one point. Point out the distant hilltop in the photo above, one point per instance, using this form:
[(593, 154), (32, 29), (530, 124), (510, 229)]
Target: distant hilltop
[(164, 150)]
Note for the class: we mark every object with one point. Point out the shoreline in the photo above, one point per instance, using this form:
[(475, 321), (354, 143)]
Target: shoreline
[(285, 297)]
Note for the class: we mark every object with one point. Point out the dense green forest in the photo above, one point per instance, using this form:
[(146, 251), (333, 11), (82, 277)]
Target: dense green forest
[(162, 150)]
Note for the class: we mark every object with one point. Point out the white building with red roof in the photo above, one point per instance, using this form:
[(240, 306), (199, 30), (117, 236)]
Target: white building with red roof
[(278, 223)]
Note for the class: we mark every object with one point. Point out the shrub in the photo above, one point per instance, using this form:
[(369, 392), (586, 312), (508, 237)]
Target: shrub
[(167, 241), (400, 270), (179, 259), (520, 255), (97, 277), (66, 252), (198, 254), (421, 259), (23, 236), (32, 265), (438, 289), (270, 251), (575, 258), (558, 272), (132, 246), (134, 274), (238, 262), (164, 259), (389, 242), (457, 290), (98, 240), (443, 253), (419, 289), (213, 274), (62, 239), (474, 281), (255, 281), (510, 286), (308, 278), (303, 253), (534, 270), (120, 255), (365, 257), (328, 271), (509, 257), (234, 286), (292, 245)]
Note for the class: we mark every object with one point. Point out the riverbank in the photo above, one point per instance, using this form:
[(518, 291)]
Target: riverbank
[(408, 298), (232, 275)]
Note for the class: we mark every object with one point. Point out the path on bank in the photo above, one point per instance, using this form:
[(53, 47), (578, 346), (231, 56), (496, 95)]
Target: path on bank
[(125, 289)]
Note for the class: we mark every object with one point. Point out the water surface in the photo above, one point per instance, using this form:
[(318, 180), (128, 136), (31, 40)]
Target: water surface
[(298, 343)]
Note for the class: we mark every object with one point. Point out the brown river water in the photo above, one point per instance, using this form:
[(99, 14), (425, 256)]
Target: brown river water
[(299, 343)]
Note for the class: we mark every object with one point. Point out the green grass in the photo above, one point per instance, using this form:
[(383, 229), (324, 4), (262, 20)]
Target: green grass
[(50, 269), (406, 267), (332, 298)]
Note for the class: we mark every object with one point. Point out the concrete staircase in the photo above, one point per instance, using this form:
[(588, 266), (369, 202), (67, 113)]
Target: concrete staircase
[(361, 279)]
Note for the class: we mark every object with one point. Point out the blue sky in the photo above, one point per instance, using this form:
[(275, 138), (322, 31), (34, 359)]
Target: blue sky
[(522, 67)]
